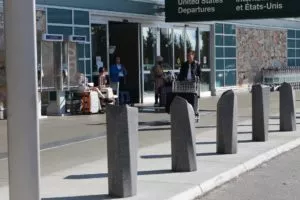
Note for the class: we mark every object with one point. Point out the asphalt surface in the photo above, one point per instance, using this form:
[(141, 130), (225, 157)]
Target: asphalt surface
[(74, 140), (278, 179)]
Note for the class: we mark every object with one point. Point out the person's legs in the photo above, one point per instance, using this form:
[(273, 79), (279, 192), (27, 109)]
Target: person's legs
[(156, 98), (159, 94)]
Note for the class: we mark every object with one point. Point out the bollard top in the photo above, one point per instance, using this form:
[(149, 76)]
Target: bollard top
[(228, 92), (178, 101), (226, 98)]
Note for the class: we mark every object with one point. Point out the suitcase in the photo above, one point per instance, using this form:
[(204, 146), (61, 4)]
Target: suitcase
[(163, 95), (192, 98), (90, 102)]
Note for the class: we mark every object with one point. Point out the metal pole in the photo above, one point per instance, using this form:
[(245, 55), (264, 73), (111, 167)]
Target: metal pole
[(23, 124), (212, 61)]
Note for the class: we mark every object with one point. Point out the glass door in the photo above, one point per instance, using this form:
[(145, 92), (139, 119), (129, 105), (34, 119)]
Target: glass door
[(204, 44), (149, 53), (99, 49)]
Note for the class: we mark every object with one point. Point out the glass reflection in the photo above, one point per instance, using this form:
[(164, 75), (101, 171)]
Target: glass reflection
[(149, 47), (166, 47), (191, 39), (179, 47)]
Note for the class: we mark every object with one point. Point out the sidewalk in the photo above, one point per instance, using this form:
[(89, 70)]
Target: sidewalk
[(157, 182)]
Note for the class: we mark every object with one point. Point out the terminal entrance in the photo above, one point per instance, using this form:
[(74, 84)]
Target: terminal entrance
[(124, 43), (172, 44)]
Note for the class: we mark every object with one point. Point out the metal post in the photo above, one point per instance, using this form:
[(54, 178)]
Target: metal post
[(23, 124), (212, 61)]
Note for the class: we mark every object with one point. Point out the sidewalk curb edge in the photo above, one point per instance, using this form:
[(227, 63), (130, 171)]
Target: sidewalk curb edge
[(207, 186)]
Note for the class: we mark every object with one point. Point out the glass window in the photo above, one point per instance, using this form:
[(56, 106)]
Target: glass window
[(297, 44), (219, 28), (166, 47), (291, 53), (80, 64), (219, 40), (149, 47), (229, 29), (230, 52), (298, 62), (66, 31), (291, 43), (298, 53), (219, 52), (291, 34), (230, 64), (88, 67), (298, 34), (61, 16), (83, 31), (230, 41), (87, 51), (99, 46), (291, 62), (230, 78), (81, 17), (204, 48), (220, 79), (80, 50), (220, 64), (179, 47), (191, 39)]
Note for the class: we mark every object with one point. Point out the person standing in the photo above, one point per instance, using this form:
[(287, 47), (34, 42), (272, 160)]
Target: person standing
[(158, 75), (189, 69), (118, 73)]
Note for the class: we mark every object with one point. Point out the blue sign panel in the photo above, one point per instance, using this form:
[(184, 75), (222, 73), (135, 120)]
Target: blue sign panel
[(77, 38), (53, 37)]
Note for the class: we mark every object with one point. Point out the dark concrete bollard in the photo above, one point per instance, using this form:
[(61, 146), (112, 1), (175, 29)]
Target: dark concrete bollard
[(260, 112), (183, 136), (122, 147), (287, 108), (227, 123)]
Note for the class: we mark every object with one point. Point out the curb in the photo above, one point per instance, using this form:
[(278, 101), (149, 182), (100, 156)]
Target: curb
[(203, 188)]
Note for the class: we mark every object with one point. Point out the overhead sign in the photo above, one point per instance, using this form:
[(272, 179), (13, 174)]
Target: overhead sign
[(211, 10)]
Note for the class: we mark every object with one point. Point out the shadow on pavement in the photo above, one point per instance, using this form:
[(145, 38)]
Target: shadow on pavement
[(92, 197), (207, 110), (97, 124), (200, 143), (155, 123), (169, 156), (169, 128), (105, 175)]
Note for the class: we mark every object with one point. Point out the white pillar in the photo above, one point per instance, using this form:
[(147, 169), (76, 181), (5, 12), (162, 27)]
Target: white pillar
[(23, 124)]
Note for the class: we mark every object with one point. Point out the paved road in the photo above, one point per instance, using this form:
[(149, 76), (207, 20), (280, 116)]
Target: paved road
[(56, 131), (278, 179)]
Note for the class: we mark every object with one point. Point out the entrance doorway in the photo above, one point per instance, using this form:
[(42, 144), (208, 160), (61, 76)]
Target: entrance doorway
[(124, 43)]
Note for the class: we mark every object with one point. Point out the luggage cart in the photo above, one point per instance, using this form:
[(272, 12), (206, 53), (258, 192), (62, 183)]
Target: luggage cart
[(275, 77), (189, 90)]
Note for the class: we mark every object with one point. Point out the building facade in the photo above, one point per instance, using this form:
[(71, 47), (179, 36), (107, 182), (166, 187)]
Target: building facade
[(231, 52)]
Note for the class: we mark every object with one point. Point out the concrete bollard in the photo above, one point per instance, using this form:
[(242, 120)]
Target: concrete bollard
[(122, 147), (287, 108), (260, 112), (183, 136), (227, 123)]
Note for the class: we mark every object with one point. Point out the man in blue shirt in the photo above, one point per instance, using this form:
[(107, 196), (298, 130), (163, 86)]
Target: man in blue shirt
[(118, 73)]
